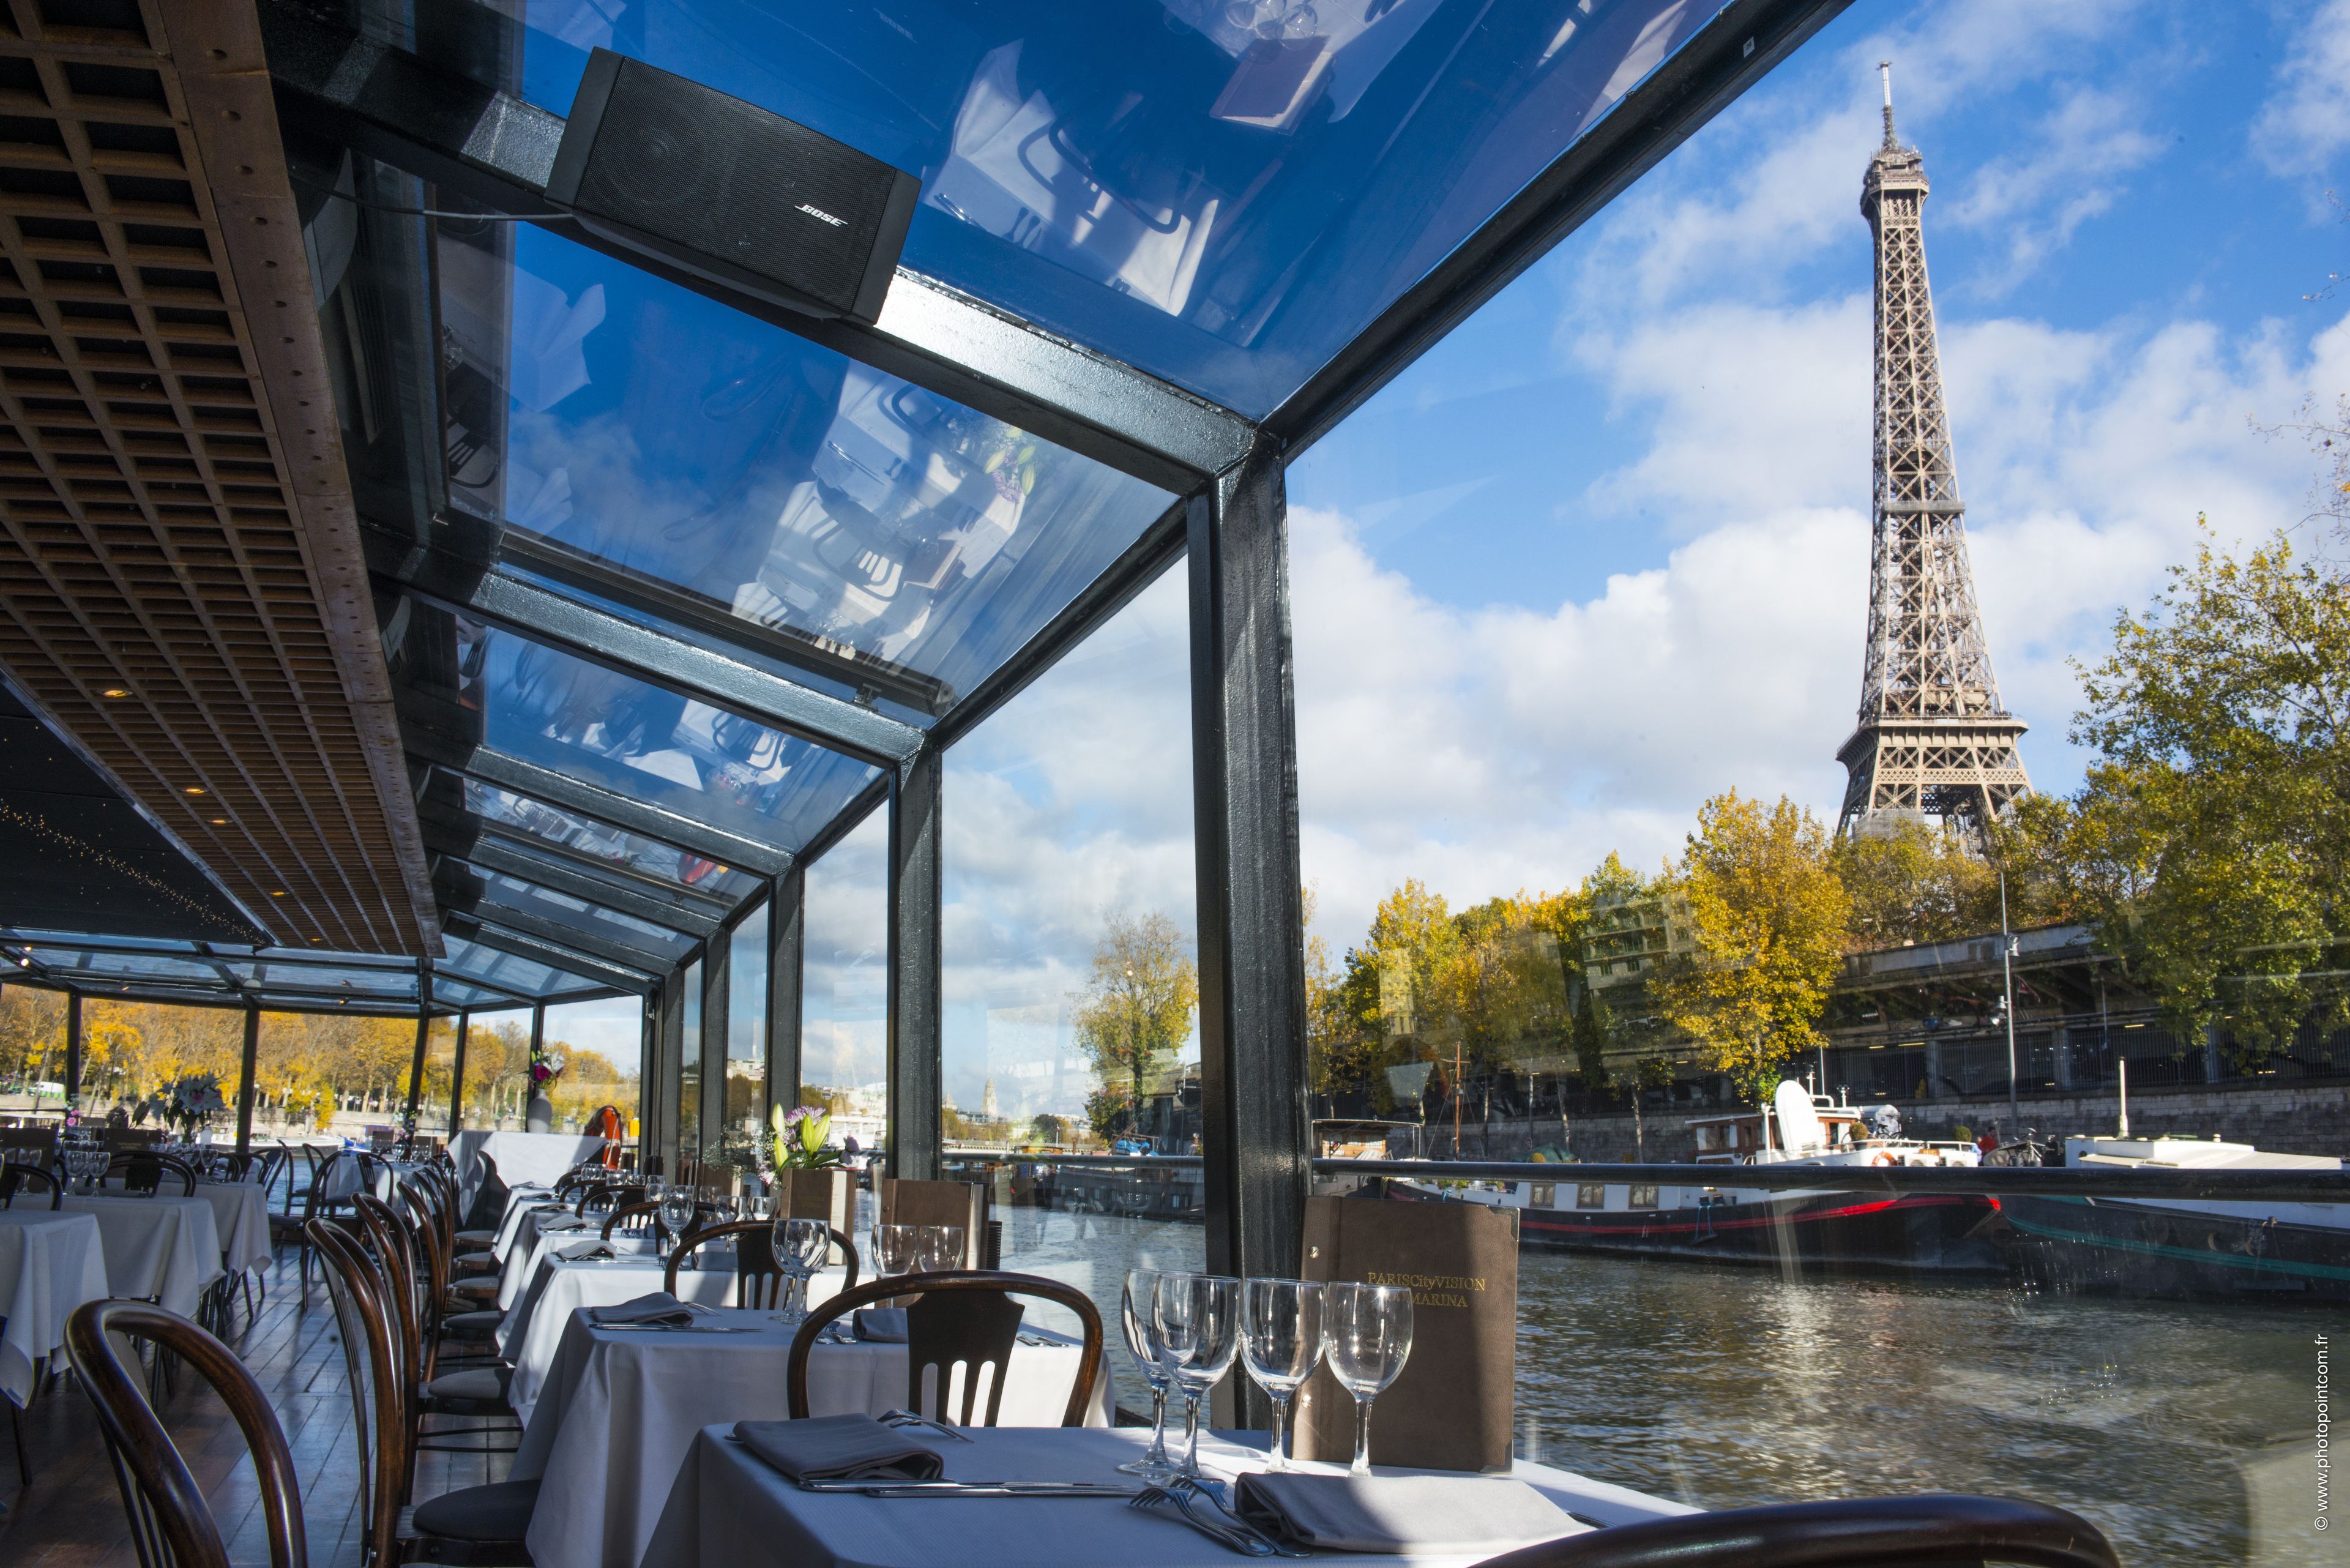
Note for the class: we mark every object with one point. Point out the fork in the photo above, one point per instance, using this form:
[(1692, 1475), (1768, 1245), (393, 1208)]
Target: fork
[(1249, 1545), (1214, 1490), (913, 1419)]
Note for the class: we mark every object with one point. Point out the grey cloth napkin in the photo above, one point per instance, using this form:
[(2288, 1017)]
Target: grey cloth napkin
[(658, 1307), (839, 1447), (1431, 1514), (580, 1252), (881, 1325), (565, 1222)]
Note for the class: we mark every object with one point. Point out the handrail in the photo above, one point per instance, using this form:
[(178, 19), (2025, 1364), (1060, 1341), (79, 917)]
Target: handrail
[(1890, 1180)]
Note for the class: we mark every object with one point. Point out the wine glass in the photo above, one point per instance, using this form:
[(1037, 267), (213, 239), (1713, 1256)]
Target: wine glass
[(1199, 1334), (1368, 1338), (800, 1247), (1281, 1341), (896, 1248), (941, 1248), (677, 1211), (1134, 1316)]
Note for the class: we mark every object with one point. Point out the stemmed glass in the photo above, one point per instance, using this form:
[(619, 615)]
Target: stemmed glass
[(940, 1247), (677, 1210), (1134, 1313), (800, 1246), (1199, 1321), (896, 1248), (1281, 1341), (1366, 1335)]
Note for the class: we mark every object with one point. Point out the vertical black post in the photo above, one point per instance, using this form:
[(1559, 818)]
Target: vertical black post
[(786, 954), (73, 1050), (457, 1080), (1245, 823), (914, 1074), (248, 1069), (717, 965), (648, 1083), (538, 1044), (670, 1075), (424, 1028)]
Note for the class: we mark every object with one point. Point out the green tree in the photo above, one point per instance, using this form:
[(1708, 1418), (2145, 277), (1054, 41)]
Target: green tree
[(1914, 883), (1768, 917), (1135, 1013), (2210, 842)]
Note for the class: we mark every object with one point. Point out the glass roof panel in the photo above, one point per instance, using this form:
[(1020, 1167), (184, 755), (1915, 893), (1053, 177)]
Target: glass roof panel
[(129, 966), (86, 939), (375, 981), (449, 992), (1222, 192), (642, 856), (526, 975), (650, 744), (656, 942), (669, 436)]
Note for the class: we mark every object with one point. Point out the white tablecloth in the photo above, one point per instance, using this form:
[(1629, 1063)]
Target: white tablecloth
[(521, 1156), (620, 1409), (531, 1246), (532, 1330), (240, 1215), (164, 1247), (49, 1264), (728, 1507), (519, 1203)]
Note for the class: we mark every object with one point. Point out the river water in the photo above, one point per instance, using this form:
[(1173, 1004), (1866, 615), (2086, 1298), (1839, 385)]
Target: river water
[(2185, 1431)]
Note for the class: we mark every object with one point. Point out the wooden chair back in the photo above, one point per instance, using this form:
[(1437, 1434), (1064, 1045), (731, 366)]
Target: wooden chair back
[(15, 1179), (144, 1172), (955, 1320), (379, 1401), (637, 1219), (29, 1145), (171, 1523), (758, 1280), (1839, 1535)]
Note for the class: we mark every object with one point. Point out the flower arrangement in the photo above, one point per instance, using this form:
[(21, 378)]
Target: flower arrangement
[(545, 1071), (191, 1102), (799, 1139)]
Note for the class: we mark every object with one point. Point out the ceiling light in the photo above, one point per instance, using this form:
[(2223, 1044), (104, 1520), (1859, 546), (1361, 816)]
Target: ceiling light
[(114, 691), (194, 789), (219, 821), (277, 892)]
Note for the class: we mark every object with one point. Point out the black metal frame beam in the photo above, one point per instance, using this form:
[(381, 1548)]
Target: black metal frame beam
[(912, 1140), (466, 825), (512, 772), (613, 643), (717, 1022), (497, 150), (490, 855), (291, 956), (498, 938), (786, 966), (611, 955)]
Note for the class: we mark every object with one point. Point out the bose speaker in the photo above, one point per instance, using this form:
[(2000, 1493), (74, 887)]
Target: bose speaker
[(729, 192)]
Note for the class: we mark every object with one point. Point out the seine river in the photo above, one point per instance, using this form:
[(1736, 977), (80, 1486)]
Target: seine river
[(2184, 1432)]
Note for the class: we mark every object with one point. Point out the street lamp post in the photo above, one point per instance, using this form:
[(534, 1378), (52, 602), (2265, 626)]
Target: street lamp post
[(2007, 1006)]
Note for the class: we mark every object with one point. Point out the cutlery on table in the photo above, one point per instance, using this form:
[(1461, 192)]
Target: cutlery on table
[(970, 1489), (910, 1418), (1214, 1488), (1247, 1545)]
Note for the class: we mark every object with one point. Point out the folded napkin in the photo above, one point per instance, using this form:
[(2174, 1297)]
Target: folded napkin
[(881, 1325), (581, 1251), (658, 1307), (561, 1222), (839, 1447), (1431, 1514)]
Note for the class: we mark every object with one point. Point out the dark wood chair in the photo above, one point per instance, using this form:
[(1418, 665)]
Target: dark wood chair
[(758, 1280), (960, 1315), (1860, 1532), (146, 1172), (15, 1179), (171, 1523)]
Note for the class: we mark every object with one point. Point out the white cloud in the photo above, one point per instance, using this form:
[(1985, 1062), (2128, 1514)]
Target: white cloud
[(2066, 171), (2307, 120)]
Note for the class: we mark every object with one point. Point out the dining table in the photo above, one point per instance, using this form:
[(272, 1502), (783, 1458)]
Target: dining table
[(51, 1262), (726, 1505), (532, 1329), (537, 1229), (521, 1156), (162, 1247), (619, 1407)]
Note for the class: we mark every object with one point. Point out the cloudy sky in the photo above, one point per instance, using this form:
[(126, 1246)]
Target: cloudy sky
[(1603, 553)]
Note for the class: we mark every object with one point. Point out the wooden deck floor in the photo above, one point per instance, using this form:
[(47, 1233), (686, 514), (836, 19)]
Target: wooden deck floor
[(71, 1516)]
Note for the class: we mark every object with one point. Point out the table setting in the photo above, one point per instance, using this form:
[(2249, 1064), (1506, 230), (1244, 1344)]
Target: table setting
[(50, 1264), (164, 1247)]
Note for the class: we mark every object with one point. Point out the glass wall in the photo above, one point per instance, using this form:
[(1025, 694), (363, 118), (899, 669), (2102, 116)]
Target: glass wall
[(599, 1046), (688, 1089), (32, 1050), (1070, 974), (746, 1038), (319, 1074), (439, 1078), (497, 1071), (133, 1052), (845, 992)]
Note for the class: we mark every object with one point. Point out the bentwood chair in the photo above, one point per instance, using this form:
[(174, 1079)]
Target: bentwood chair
[(145, 1172), (15, 1179), (1859, 1533), (171, 1523), (964, 1316), (758, 1278)]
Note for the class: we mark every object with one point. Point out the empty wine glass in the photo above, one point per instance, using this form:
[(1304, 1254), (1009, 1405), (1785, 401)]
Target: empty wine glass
[(1134, 1314), (800, 1248), (940, 1247), (896, 1248), (1199, 1321), (1281, 1341), (677, 1211), (1366, 1335)]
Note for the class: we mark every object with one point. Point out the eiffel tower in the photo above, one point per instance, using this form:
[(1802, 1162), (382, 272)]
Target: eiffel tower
[(1933, 740)]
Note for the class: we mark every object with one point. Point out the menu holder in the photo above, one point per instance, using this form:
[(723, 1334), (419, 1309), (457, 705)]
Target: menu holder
[(960, 1203), (1453, 1408), (826, 1195)]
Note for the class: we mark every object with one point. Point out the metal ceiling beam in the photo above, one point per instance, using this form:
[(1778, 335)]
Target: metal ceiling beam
[(613, 643), (588, 947), (491, 856), (498, 940), (464, 826), (1742, 42), (13, 938), (712, 618), (497, 149), (847, 820), (511, 773)]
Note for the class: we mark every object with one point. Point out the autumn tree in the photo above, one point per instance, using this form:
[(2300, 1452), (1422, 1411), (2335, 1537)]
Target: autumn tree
[(1913, 882), (1767, 915), (1136, 1011)]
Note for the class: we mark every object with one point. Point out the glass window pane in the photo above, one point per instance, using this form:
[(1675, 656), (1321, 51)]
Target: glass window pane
[(133, 1052), (1105, 850), (601, 1045), (440, 1077), (747, 1038), (845, 993), (607, 844), (505, 969), (660, 946), (688, 1087), (32, 1049), (330, 1073), (497, 1071), (848, 510), (1222, 194)]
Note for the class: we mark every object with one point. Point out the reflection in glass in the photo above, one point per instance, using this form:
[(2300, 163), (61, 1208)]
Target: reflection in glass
[(596, 841), (747, 1038), (843, 997), (688, 1087), (658, 945)]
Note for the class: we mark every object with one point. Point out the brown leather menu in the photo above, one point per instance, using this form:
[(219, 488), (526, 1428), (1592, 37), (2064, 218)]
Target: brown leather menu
[(1453, 1406), (826, 1195), (962, 1203)]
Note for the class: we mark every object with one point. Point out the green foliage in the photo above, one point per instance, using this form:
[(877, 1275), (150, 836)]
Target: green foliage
[(1136, 1011), (800, 1139), (1109, 1111)]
